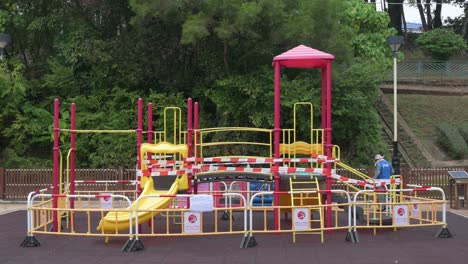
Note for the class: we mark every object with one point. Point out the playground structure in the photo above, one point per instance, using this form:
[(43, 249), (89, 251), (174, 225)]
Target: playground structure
[(187, 183)]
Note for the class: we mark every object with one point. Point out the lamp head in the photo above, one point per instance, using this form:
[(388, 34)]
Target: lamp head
[(395, 42)]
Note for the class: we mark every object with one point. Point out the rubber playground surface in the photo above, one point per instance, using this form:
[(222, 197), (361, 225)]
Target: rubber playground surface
[(414, 245)]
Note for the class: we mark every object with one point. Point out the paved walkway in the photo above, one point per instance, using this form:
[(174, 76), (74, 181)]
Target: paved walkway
[(8, 207)]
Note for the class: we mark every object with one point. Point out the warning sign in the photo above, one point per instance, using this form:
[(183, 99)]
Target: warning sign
[(415, 210), (301, 219), (106, 200), (400, 215), (192, 223)]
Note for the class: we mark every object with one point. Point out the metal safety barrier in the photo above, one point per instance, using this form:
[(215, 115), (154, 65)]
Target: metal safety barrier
[(297, 225), (399, 210), (413, 211), (40, 215), (191, 220)]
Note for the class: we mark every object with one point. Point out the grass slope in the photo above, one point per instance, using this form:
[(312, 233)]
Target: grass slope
[(424, 112)]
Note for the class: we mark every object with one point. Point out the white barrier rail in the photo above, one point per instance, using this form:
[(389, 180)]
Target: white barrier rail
[(32, 197), (250, 241)]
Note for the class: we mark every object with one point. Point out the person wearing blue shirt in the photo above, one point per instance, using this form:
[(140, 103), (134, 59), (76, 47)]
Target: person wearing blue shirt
[(383, 169)]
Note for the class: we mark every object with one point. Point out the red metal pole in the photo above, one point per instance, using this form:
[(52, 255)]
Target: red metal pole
[(328, 145), (324, 105), (196, 126), (72, 154), (150, 126), (56, 163), (189, 127), (276, 131), (139, 140), (189, 140)]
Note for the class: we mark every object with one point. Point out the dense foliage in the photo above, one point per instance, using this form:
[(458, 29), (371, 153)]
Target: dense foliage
[(105, 54), (463, 129), (441, 43), (451, 140)]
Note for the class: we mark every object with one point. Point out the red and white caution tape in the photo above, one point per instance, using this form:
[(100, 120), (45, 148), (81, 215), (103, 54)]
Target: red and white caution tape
[(282, 169), (315, 158), (163, 162), (103, 181), (168, 173), (367, 183), (160, 166)]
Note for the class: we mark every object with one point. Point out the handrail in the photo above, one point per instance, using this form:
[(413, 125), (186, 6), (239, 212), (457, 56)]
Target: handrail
[(356, 172), (223, 129)]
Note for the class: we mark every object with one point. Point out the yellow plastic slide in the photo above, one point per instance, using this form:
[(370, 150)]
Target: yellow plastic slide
[(120, 221)]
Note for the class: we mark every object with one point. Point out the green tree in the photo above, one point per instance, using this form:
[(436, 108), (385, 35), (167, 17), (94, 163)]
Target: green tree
[(105, 54), (351, 30), (441, 43)]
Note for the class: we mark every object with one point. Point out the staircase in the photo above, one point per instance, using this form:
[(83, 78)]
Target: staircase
[(387, 136), (406, 148), (311, 201)]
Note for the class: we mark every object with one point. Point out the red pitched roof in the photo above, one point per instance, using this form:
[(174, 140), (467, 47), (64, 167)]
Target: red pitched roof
[(303, 57)]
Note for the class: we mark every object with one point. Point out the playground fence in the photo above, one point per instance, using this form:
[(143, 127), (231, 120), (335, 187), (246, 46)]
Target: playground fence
[(200, 215), (81, 220), (176, 221), (449, 70), (307, 218), (15, 184), (399, 208)]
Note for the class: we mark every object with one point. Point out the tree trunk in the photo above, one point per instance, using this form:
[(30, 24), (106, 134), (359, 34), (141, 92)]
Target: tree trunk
[(421, 14), (465, 23), (395, 8), (428, 14), (403, 20), (437, 14)]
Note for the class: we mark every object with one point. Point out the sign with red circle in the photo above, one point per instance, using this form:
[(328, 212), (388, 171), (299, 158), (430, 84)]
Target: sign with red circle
[(192, 218), (301, 215), (301, 218), (400, 215), (401, 211), (415, 209), (192, 223)]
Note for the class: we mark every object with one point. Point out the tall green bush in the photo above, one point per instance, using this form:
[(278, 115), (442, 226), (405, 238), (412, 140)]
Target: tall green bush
[(441, 43), (451, 140)]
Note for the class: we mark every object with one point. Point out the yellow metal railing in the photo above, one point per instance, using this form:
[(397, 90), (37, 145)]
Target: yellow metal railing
[(355, 172), (177, 125), (202, 134)]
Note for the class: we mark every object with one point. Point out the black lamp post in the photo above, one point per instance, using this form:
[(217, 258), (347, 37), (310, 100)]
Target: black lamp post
[(5, 39), (395, 42)]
